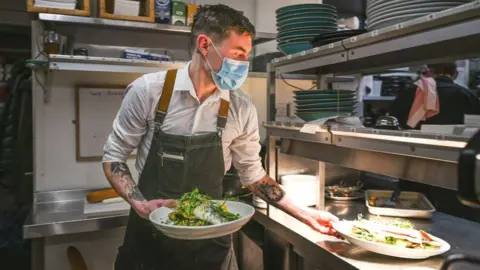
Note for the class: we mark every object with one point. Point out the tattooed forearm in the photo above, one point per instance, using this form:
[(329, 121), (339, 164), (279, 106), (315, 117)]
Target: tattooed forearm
[(121, 179), (268, 189), (133, 192)]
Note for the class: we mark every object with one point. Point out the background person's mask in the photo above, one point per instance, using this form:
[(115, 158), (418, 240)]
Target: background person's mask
[(232, 73)]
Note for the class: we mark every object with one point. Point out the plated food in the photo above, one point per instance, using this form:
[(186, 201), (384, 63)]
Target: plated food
[(398, 233), (198, 217), (196, 209), (397, 238)]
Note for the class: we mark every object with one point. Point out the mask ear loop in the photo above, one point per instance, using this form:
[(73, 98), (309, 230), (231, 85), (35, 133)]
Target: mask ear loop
[(215, 48)]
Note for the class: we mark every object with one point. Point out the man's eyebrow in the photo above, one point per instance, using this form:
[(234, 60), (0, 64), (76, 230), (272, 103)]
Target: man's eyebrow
[(241, 49)]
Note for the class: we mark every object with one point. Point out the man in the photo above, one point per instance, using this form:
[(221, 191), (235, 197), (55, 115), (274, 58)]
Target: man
[(189, 126), (455, 101)]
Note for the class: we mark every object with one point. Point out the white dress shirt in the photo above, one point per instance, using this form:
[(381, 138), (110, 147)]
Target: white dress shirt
[(133, 126)]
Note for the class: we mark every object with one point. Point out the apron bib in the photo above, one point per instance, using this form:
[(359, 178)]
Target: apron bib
[(177, 164)]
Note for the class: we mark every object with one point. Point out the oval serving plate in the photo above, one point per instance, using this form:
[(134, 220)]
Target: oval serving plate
[(159, 218), (345, 229)]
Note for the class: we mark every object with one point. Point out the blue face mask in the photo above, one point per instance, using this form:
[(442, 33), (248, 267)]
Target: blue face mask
[(231, 75)]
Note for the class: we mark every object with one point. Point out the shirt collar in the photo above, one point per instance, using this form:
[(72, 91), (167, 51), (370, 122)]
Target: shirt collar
[(183, 82)]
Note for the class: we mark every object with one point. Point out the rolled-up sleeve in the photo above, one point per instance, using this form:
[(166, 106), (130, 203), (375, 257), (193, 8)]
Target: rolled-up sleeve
[(245, 150), (130, 124)]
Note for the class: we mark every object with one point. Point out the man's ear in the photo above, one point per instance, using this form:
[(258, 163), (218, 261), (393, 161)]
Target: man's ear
[(203, 42)]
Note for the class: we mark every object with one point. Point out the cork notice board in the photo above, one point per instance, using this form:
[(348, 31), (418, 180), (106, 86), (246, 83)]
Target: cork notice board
[(95, 110)]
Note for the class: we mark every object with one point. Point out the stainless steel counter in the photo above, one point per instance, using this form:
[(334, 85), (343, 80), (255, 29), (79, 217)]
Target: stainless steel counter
[(63, 214)]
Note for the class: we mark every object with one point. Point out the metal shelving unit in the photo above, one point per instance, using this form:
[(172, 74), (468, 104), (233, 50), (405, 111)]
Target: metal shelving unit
[(422, 157), (378, 98), (261, 37), (426, 158), (108, 64), (404, 44)]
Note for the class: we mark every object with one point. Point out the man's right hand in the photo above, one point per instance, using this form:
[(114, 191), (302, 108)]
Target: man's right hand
[(144, 208)]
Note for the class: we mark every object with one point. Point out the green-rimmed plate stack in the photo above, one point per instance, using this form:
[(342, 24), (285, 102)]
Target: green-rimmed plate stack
[(298, 24), (315, 104)]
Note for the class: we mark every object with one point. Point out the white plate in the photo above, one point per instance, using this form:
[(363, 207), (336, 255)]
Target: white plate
[(345, 229), (160, 216)]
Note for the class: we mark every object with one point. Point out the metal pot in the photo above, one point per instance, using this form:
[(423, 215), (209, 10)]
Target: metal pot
[(387, 122), (232, 187)]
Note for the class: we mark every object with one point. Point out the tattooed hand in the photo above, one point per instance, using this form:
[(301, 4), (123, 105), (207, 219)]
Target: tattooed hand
[(121, 180), (270, 191), (144, 208)]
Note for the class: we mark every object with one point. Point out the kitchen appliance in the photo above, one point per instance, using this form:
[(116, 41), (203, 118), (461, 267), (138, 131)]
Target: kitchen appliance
[(468, 174), (387, 122)]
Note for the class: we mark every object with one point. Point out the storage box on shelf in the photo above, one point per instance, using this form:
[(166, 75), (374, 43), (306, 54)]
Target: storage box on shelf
[(82, 9), (146, 13)]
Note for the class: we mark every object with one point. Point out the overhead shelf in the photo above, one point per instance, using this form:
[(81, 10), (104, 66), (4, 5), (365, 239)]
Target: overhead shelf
[(261, 37), (108, 64), (427, 158), (377, 98), (448, 35)]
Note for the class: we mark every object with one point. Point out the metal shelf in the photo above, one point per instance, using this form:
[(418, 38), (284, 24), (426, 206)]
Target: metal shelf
[(261, 37), (446, 35), (107, 64), (375, 98), (417, 156)]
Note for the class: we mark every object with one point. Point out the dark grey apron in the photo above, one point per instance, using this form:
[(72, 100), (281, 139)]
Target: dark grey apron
[(177, 164)]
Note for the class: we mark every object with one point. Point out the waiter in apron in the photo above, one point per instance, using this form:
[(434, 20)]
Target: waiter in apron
[(189, 126)]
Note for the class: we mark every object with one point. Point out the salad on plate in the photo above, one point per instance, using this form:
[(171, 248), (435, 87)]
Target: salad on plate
[(398, 233), (196, 209)]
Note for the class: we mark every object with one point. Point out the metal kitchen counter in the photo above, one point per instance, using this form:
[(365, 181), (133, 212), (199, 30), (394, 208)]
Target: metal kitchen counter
[(65, 216)]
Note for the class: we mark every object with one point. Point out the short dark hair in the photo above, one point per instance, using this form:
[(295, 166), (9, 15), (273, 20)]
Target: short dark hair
[(449, 68), (217, 21)]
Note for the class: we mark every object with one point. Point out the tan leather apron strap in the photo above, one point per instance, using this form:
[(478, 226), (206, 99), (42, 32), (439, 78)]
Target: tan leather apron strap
[(222, 114), (162, 106)]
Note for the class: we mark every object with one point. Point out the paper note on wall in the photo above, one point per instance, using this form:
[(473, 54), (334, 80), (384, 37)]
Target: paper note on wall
[(96, 110)]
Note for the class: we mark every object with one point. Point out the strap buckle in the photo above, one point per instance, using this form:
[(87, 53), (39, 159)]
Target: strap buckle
[(159, 118)]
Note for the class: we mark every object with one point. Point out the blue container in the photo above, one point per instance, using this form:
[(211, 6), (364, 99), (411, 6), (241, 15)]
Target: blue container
[(163, 9)]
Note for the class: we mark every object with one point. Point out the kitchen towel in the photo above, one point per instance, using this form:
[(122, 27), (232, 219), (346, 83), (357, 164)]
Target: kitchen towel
[(425, 103)]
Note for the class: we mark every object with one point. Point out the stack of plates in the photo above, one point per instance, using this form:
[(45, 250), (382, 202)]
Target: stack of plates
[(315, 104), (383, 13), (328, 38), (298, 24)]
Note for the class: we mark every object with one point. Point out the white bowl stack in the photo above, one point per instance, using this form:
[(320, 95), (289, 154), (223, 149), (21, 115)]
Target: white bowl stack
[(383, 13)]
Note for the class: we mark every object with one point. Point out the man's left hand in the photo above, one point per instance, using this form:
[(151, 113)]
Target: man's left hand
[(320, 221)]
